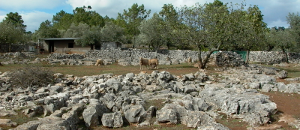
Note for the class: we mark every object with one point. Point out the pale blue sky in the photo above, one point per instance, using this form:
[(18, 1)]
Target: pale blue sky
[(34, 12)]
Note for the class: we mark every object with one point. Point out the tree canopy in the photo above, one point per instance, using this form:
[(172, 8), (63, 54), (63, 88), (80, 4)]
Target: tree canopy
[(218, 26), (206, 27), (9, 34), (47, 30), (130, 20), (153, 32), (12, 30), (16, 20)]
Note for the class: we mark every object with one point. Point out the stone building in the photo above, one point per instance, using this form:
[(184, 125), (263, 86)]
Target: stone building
[(68, 45)]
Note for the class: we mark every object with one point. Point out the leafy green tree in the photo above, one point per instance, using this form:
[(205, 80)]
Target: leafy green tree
[(283, 39), (16, 20), (13, 30), (206, 27), (169, 14), (87, 8), (108, 20), (62, 20), (171, 21), (131, 19), (153, 32), (294, 21), (28, 38), (247, 28), (113, 33), (217, 26), (92, 18), (90, 37), (76, 31), (46, 30), (269, 45), (9, 34)]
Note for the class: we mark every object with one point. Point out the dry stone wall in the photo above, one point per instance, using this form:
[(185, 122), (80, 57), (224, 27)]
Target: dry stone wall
[(181, 56), (273, 57), (165, 57)]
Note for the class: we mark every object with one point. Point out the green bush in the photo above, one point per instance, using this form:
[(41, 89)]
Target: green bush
[(29, 76)]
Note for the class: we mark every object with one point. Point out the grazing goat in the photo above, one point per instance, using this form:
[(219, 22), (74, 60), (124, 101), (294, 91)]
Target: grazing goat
[(99, 62), (144, 62), (189, 60), (168, 59), (153, 63)]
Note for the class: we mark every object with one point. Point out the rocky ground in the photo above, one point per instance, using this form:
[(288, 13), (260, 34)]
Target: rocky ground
[(195, 100)]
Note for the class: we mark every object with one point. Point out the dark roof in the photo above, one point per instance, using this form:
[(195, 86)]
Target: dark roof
[(56, 39)]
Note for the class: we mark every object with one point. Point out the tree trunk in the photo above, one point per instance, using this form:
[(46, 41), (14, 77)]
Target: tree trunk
[(247, 56), (286, 55), (9, 47), (133, 45), (202, 64)]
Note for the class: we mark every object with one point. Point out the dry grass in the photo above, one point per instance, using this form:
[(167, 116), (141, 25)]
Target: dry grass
[(233, 124), (84, 70), (19, 119)]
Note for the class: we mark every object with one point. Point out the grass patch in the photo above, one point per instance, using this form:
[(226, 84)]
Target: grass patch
[(231, 123), (85, 70), (161, 126), (158, 103), (19, 119), (292, 69), (275, 117)]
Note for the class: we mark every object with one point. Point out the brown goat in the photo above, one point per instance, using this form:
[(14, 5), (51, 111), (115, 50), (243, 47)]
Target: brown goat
[(189, 60), (99, 62), (153, 63), (144, 62)]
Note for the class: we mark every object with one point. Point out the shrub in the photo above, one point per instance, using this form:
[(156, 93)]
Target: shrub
[(29, 76)]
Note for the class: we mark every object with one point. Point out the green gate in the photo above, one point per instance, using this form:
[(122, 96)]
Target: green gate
[(243, 54)]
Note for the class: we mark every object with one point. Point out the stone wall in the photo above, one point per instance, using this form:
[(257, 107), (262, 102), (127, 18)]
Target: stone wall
[(181, 56), (134, 55), (273, 57), (166, 57)]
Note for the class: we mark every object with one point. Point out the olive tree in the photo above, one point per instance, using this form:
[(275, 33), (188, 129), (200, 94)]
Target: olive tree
[(206, 26), (248, 29), (154, 33), (217, 26), (76, 31), (90, 37), (293, 20), (284, 40), (9, 34), (113, 33), (12, 30)]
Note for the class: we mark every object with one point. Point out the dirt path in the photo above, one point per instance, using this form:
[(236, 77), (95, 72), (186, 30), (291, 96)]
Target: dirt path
[(288, 106)]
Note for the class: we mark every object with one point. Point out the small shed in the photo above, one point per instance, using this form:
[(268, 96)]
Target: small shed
[(67, 45)]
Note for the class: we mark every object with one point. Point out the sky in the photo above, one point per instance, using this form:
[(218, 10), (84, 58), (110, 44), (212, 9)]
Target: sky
[(34, 12)]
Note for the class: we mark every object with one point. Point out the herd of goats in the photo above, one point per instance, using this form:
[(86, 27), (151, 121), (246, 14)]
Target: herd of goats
[(143, 62)]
